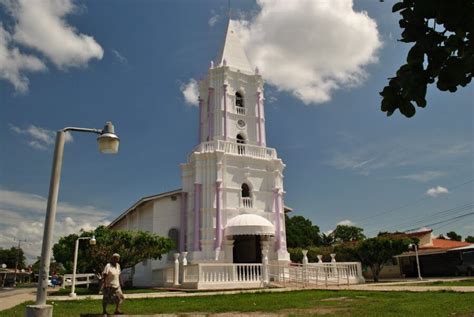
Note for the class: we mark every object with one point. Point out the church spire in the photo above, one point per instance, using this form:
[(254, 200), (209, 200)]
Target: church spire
[(233, 54)]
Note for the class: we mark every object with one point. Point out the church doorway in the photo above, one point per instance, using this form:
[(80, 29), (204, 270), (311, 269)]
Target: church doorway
[(247, 249)]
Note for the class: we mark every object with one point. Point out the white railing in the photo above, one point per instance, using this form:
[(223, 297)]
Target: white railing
[(316, 274), (246, 202), (240, 110), (236, 149), (81, 279), (213, 273)]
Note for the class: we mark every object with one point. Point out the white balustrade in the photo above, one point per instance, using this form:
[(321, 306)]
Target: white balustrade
[(236, 149), (246, 202), (317, 273), (240, 110), (222, 273)]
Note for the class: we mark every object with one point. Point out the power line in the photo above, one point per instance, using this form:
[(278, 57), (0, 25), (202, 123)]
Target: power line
[(443, 221), (361, 221), (420, 219)]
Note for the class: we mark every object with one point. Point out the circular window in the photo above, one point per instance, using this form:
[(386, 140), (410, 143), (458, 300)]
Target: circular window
[(241, 123)]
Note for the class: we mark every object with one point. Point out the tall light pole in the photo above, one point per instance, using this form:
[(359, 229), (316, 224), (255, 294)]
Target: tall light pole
[(413, 245), (109, 144), (92, 241)]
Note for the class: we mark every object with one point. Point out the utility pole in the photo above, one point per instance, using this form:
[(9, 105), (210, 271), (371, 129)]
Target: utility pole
[(16, 260)]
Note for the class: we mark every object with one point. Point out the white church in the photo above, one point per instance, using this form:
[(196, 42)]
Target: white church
[(230, 209)]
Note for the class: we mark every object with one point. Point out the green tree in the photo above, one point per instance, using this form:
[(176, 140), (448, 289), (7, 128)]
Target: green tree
[(453, 236), (133, 247), (344, 233), (443, 51), (301, 233), (10, 257), (375, 252), (469, 239), (327, 239)]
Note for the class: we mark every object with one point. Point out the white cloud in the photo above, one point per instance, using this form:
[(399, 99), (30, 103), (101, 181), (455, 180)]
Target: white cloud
[(41, 26), (13, 63), (423, 177), (39, 138), (122, 59), (190, 92), (310, 48), (23, 218), (345, 222), (436, 191), (213, 20)]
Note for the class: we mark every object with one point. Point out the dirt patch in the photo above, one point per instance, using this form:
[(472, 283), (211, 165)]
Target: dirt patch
[(337, 299), (281, 313)]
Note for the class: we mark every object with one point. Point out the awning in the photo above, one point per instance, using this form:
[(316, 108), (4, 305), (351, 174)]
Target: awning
[(249, 224)]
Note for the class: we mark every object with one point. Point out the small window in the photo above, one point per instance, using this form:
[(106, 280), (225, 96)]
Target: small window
[(239, 100), (240, 139), (245, 190), (173, 234)]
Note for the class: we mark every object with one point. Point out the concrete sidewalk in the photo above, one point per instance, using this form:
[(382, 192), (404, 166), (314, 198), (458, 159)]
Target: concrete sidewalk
[(12, 297)]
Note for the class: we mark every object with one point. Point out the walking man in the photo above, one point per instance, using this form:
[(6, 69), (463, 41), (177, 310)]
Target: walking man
[(111, 285)]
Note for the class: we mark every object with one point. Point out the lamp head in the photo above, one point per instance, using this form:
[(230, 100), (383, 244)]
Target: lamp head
[(108, 140), (93, 241)]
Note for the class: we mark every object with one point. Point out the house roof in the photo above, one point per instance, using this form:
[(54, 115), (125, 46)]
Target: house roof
[(232, 51), (447, 244), (419, 233), (142, 201)]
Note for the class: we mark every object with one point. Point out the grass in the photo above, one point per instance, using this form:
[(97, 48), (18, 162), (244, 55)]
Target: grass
[(299, 303), (468, 282)]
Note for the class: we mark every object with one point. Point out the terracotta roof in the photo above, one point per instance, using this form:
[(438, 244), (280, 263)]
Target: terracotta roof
[(446, 244)]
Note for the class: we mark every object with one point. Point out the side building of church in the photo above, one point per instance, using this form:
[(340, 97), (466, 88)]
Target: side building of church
[(230, 207)]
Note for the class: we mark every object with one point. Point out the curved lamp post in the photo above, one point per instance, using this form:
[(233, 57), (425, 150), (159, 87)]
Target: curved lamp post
[(109, 144), (92, 241), (413, 245)]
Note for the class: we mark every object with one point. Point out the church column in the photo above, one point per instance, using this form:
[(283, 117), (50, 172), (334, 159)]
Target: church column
[(183, 222), (218, 240), (277, 204), (210, 114), (259, 123), (197, 217), (200, 120), (225, 112)]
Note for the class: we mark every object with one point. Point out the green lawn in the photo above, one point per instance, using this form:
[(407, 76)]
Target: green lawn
[(300, 303), (468, 282)]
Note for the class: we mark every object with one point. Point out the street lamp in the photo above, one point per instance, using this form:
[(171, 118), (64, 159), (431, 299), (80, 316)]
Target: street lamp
[(413, 245), (108, 143), (92, 241)]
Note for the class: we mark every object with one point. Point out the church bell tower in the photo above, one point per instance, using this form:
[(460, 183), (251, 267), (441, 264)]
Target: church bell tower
[(232, 183)]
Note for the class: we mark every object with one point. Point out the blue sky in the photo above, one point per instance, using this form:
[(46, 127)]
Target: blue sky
[(346, 161)]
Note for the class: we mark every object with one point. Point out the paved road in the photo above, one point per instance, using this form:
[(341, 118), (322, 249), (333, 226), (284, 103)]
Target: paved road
[(14, 296)]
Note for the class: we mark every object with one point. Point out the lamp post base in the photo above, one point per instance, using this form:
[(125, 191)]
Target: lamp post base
[(39, 311), (73, 295)]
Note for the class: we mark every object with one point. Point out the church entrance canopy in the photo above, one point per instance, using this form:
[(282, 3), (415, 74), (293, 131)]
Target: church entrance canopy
[(249, 224)]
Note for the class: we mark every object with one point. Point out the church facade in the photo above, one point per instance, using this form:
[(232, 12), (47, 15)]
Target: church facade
[(230, 207)]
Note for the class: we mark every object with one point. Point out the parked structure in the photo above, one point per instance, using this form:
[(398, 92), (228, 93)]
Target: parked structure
[(438, 257)]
